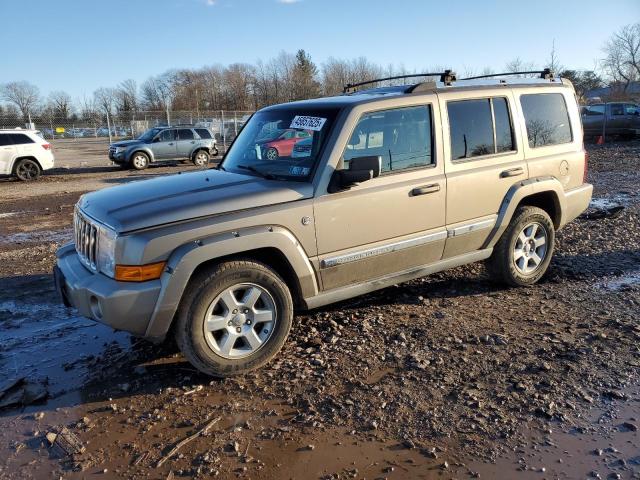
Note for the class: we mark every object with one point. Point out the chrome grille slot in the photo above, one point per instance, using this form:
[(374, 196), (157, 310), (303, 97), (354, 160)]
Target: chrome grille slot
[(86, 236)]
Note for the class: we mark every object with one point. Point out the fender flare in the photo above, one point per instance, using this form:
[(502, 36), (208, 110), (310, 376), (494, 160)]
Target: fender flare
[(185, 259), (144, 150), (519, 192)]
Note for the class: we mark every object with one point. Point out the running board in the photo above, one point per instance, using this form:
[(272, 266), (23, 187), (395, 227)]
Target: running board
[(350, 291)]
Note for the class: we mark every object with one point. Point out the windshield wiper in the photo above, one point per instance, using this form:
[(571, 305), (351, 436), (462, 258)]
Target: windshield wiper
[(251, 168)]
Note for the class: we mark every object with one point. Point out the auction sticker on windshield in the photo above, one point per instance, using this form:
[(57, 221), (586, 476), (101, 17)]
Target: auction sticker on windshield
[(308, 123)]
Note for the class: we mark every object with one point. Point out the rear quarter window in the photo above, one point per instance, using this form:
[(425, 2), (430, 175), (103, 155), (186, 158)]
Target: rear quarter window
[(20, 138), (203, 133), (546, 119)]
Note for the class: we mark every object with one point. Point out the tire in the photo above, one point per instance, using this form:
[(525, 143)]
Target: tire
[(27, 170), (271, 154), (139, 160), (523, 253), (225, 350), (201, 158)]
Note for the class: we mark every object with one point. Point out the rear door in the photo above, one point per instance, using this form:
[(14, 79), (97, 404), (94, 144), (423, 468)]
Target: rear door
[(7, 153), (393, 222), (593, 119), (483, 161), (186, 142), (164, 145)]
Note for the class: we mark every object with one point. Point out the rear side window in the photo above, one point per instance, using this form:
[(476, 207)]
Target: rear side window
[(5, 140), (203, 133), (185, 134), (401, 136), (479, 127), (546, 119), (20, 138)]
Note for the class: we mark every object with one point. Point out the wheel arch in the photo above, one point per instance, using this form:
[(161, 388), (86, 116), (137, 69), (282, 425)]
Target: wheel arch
[(276, 247), (23, 157), (148, 152)]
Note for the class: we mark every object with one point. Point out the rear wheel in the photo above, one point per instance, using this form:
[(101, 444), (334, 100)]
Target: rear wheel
[(140, 160), (236, 318), (201, 158), (27, 170), (523, 253), (272, 154)]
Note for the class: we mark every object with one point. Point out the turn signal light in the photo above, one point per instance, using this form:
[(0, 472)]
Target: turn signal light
[(139, 273)]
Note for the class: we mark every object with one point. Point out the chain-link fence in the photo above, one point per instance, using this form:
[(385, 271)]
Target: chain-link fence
[(223, 124)]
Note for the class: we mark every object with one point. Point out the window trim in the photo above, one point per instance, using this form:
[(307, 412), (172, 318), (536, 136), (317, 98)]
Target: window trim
[(434, 159), (495, 153), (566, 107)]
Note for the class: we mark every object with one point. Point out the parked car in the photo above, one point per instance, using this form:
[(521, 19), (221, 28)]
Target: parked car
[(161, 144), (611, 119), (24, 154), (302, 149), (281, 144), (402, 182)]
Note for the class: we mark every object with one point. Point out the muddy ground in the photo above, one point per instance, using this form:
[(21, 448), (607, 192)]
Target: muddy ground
[(450, 376)]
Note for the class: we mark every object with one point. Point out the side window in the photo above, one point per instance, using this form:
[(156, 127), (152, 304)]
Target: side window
[(167, 135), (617, 109), (631, 109), (5, 140), (504, 130), (594, 110), (203, 133), (546, 119), (471, 128), (401, 136), (20, 138), (185, 134)]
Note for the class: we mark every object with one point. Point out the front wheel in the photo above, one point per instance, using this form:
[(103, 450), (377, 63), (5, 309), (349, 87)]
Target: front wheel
[(271, 154), (523, 253), (140, 161), (235, 318)]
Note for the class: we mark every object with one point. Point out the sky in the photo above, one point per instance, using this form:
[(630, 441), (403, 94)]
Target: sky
[(78, 46)]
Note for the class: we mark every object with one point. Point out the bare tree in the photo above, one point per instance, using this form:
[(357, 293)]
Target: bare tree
[(60, 104), (518, 65), (23, 95), (126, 96), (105, 99), (622, 55)]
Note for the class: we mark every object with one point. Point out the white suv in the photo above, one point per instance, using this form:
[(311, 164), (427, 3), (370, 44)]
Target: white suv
[(24, 153)]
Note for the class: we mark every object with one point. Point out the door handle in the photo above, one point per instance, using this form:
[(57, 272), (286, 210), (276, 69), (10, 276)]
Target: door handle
[(512, 172), (433, 188)]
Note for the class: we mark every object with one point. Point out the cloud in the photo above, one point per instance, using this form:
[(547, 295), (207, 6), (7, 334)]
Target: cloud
[(211, 3), (288, 2)]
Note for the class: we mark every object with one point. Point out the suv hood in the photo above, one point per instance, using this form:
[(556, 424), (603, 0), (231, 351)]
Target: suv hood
[(124, 143), (186, 196)]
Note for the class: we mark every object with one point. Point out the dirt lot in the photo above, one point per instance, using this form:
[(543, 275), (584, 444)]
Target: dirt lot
[(450, 376)]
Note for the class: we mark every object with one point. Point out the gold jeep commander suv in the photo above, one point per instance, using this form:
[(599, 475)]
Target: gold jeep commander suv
[(368, 189)]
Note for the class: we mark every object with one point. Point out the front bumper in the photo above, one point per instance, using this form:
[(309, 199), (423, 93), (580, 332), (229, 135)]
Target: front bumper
[(124, 306)]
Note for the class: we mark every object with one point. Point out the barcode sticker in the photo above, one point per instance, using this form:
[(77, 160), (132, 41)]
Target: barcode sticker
[(308, 123)]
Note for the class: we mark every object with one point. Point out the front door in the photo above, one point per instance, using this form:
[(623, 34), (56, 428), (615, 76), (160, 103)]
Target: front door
[(483, 162), (391, 223), (164, 145), (7, 153)]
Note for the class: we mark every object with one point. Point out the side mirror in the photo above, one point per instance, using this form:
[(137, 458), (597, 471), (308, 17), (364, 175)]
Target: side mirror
[(360, 169)]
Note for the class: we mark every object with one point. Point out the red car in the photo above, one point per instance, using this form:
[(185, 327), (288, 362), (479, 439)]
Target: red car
[(282, 145)]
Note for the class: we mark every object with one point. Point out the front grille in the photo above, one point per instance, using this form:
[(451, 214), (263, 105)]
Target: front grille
[(86, 236), (112, 150)]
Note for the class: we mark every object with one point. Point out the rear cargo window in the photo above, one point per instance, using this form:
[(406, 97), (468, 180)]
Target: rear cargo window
[(546, 119), (20, 138), (479, 127), (203, 133), (402, 136)]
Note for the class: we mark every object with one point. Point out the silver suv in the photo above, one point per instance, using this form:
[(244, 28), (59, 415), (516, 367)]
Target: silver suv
[(165, 143), (392, 184)]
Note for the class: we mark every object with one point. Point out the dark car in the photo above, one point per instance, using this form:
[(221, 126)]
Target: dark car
[(611, 119)]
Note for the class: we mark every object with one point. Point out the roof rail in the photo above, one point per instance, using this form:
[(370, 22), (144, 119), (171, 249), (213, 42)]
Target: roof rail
[(446, 77), (545, 74)]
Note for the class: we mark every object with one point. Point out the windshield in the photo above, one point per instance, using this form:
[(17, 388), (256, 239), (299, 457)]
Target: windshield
[(149, 134), (281, 144)]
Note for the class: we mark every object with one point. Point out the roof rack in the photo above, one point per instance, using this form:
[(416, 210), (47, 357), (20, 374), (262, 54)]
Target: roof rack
[(545, 74), (446, 77)]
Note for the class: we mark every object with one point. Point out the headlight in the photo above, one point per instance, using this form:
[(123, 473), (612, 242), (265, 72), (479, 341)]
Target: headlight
[(120, 149), (106, 251)]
